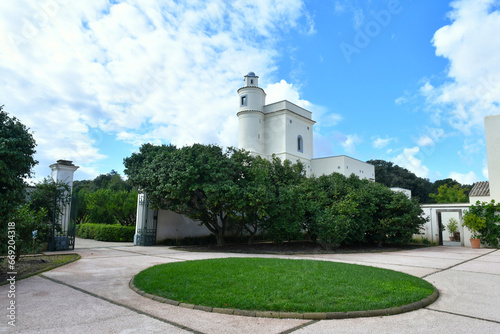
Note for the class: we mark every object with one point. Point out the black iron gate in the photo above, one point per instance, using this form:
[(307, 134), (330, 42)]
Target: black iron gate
[(63, 222), (147, 236)]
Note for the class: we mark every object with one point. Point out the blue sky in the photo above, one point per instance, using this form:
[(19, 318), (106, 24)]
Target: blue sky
[(403, 81)]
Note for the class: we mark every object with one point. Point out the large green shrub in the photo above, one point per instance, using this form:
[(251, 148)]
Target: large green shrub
[(335, 222), (106, 232), (396, 218), (344, 210), (17, 149), (107, 206), (23, 222), (485, 218)]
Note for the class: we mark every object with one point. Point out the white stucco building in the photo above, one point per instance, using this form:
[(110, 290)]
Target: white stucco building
[(280, 128), (286, 130), (485, 191)]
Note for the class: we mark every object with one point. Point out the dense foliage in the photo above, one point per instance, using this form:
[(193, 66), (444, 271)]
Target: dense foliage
[(440, 191), (17, 148), (450, 194), (483, 219), (201, 182), (230, 191), (108, 199), (106, 232)]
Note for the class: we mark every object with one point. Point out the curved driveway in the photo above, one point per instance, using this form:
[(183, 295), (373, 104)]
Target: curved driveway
[(92, 295)]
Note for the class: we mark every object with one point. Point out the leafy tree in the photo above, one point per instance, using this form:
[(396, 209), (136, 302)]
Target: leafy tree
[(105, 206), (334, 223), (485, 217), (43, 196), (17, 147), (392, 175), (286, 210), (353, 211), (199, 181), (450, 194), (113, 200), (27, 220)]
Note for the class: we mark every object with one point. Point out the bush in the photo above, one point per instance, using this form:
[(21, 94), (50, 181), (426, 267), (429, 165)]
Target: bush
[(334, 224), (107, 206), (24, 222), (105, 232), (483, 219)]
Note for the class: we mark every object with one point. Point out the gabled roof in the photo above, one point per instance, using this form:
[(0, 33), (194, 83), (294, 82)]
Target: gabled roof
[(480, 189)]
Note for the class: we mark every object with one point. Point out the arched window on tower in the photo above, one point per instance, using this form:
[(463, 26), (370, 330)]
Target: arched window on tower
[(300, 144)]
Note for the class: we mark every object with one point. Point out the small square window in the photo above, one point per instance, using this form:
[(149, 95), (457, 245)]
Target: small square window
[(290, 121), (307, 128), (244, 100)]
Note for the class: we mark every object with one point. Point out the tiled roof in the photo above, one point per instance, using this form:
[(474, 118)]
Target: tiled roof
[(480, 189)]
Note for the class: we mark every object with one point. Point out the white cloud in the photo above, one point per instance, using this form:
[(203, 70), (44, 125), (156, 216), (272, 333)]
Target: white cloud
[(350, 142), (469, 43), (358, 14), (425, 141), (145, 70), (408, 159), (468, 178), (286, 91), (431, 137), (381, 142)]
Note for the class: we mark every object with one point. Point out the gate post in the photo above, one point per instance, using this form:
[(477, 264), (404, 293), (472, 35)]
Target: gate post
[(63, 171), (145, 223)]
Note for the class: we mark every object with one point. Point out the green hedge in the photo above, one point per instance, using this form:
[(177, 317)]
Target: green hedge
[(106, 232)]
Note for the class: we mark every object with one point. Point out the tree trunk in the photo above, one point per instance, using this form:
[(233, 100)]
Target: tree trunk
[(220, 238)]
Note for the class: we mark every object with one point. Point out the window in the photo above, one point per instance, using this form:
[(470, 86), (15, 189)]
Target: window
[(244, 100), (290, 121), (300, 144), (251, 81)]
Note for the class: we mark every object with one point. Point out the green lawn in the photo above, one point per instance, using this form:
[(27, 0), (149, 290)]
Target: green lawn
[(282, 285)]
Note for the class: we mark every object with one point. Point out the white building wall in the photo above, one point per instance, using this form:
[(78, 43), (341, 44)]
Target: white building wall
[(297, 126), (344, 165), (492, 130), (407, 192), (474, 199), (275, 128), (174, 226), (251, 132), (431, 228)]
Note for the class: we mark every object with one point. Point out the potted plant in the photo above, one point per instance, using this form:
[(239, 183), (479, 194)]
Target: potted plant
[(452, 227), (474, 223)]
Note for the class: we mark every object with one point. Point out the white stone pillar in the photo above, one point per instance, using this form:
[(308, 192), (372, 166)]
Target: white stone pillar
[(63, 171), (141, 217)]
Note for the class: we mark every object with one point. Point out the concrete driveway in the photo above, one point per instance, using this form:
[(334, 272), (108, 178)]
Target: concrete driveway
[(92, 295)]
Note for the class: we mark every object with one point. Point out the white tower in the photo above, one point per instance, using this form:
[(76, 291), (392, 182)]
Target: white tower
[(252, 99)]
